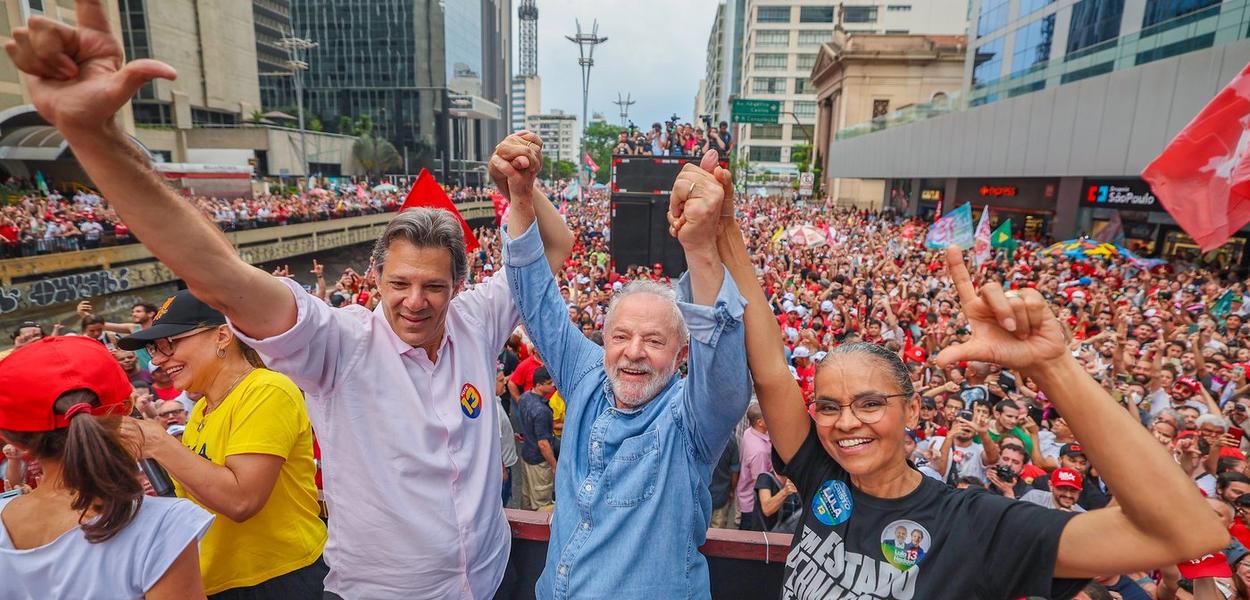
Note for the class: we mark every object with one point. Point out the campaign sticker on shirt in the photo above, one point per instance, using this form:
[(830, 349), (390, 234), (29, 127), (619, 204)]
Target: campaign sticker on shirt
[(905, 543), (832, 503), (470, 401)]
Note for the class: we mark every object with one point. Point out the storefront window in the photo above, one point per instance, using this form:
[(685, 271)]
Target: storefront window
[(1179, 246)]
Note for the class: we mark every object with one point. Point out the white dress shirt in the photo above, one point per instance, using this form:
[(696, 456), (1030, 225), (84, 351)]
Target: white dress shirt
[(411, 472)]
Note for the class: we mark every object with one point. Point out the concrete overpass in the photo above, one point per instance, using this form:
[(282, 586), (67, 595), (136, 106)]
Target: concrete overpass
[(43, 282)]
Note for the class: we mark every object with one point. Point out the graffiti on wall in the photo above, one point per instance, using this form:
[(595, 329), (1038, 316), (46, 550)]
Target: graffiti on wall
[(81, 286)]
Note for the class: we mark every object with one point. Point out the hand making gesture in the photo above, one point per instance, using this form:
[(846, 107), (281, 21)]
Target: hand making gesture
[(1015, 329)]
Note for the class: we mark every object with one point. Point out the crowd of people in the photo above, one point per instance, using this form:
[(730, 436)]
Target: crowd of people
[(676, 139), (1032, 426), (40, 223)]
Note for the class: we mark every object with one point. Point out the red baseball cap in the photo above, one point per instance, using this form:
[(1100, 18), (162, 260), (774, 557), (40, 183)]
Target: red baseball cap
[(914, 354), (1210, 565), (35, 375), (1065, 478)]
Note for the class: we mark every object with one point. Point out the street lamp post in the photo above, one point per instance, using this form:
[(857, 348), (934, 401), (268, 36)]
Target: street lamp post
[(586, 43), (295, 48)]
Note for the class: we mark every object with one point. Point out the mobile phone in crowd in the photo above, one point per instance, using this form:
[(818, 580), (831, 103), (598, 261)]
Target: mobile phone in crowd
[(1237, 433), (966, 415), (1238, 371)]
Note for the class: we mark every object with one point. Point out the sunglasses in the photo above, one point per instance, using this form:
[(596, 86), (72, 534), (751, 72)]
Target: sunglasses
[(165, 346)]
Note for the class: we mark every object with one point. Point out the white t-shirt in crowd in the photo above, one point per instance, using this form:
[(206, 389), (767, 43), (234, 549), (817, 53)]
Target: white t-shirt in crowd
[(1047, 499), (126, 565), (968, 460)]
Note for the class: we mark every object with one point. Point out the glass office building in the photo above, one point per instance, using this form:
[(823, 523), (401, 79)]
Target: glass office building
[(370, 61)]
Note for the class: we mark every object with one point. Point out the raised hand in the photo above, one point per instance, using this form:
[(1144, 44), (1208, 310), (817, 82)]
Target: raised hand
[(1017, 331), (318, 270), (516, 162), (695, 203), (76, 76), (84, 308)]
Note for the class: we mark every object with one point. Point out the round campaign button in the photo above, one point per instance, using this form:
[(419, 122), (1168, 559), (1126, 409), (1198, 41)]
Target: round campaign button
[(470, 401), (832, 503)]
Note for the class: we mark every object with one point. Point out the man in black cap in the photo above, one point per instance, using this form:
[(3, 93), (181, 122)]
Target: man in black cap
[(541, 447)]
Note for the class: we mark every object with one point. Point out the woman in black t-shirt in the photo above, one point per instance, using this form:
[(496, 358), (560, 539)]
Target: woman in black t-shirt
[(874, 527)]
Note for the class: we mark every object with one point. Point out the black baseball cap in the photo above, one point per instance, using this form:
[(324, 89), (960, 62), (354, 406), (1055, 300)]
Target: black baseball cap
[(179, 314), (1073, 449)]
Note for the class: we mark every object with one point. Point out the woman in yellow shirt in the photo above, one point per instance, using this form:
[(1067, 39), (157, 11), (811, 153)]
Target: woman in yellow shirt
[(246, 454)]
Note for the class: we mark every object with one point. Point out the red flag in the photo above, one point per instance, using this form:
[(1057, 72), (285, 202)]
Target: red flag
[(1202, 177), (426, 192)]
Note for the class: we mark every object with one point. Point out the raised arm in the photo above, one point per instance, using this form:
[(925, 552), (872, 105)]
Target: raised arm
[(1019, 332), (520, 153), (778, 393), (78, 83)]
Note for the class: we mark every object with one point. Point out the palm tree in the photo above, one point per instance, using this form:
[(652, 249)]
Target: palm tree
[(375, 155), (257, 116)]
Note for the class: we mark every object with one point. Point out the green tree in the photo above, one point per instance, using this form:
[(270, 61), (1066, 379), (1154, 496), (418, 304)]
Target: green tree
[(600, 139), (558, 169), (257, 116), (346, 125), (375, 155)]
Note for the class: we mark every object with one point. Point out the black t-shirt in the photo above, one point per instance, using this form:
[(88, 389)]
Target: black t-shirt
[(932, 544), (784, 519)]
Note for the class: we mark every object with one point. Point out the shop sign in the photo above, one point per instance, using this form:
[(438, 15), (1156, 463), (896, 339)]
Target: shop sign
[(1126, 194), (931, 195), (999, 191)]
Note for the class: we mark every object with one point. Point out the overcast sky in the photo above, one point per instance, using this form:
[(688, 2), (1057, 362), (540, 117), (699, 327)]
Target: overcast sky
[(655, 51)]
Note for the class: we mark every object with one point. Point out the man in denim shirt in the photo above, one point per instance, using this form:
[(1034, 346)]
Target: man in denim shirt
[(640, 442)]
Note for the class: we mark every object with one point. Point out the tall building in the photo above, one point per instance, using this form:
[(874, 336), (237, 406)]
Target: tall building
[(1063, 104), (723, 73), (272, 19), (862, 76), (217, 72), (780, 43), (384, 59), (526, 98), (477, 80), (559, 133)]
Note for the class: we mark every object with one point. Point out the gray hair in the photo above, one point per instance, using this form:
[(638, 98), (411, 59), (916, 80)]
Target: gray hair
[(891, 361), (1210, 419), (654, 288), (424, 228)]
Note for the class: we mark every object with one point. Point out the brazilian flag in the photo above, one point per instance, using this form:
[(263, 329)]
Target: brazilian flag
[(1001, 238)]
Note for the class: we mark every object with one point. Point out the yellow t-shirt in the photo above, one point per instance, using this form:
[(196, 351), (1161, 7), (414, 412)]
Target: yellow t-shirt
[(264, 414)]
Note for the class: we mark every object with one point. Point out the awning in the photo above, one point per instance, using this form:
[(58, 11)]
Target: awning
[(33, 142)]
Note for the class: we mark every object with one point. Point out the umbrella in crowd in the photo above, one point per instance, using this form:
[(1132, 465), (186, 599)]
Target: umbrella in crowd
[(1081, 248), (806, 235), (385, 188)]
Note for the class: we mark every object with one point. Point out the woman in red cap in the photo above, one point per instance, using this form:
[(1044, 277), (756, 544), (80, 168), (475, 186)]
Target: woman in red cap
[(87, 531)]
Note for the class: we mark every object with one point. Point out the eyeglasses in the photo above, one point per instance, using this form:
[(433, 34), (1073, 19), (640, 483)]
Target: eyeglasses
[(170, 413), (868, 408), (165, 346)]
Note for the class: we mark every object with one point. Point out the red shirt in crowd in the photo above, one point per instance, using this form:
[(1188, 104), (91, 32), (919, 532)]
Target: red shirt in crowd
[(168, 393), (523, 376)]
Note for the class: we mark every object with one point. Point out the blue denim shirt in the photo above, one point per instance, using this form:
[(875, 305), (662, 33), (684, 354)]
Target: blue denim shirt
[(632, 501)]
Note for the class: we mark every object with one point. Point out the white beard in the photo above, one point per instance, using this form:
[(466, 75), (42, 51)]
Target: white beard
[(634, 395)]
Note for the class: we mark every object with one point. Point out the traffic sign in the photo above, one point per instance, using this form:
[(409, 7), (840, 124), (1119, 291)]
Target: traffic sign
[(756, 112), (805, 184)]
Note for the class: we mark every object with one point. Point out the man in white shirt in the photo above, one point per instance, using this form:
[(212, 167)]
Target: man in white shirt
[(399, 396), (1065, 489)]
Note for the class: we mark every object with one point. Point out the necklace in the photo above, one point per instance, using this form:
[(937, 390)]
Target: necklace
[(200, 426)]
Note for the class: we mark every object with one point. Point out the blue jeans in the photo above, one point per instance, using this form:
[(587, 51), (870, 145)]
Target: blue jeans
[(507, 486)]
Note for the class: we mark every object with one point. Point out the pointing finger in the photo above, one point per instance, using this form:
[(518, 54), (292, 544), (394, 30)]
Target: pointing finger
[(959, 275)]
